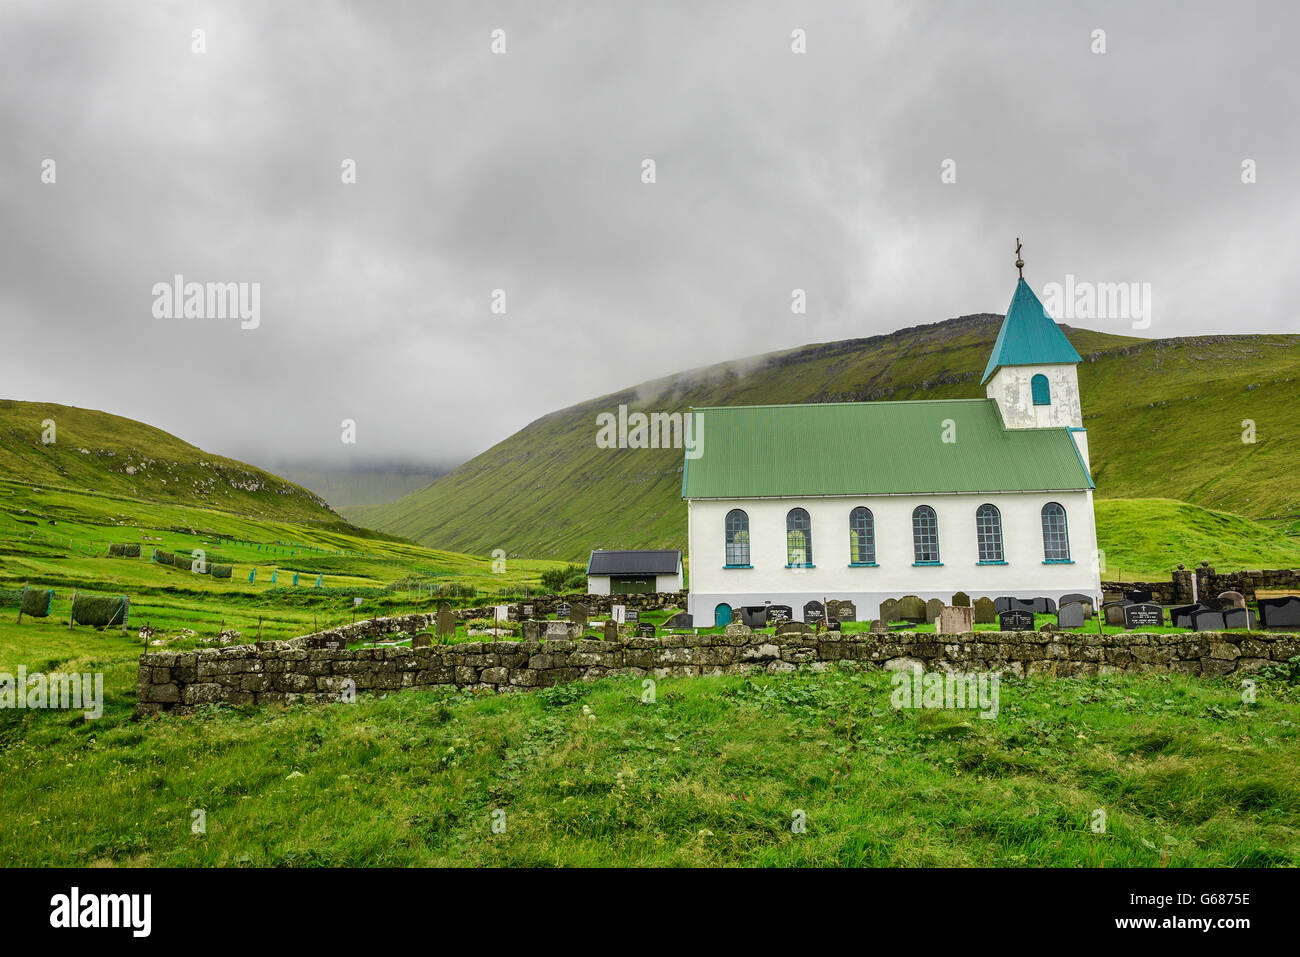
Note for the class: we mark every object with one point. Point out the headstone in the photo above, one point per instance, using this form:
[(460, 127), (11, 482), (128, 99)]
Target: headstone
[(956, 620), (755, 616), (1070, 615), (889, 610), (832, 624), (645, 631), (1143, 614), (512, 613), (1002, 604), (1279, 612), (1114, 612), (421, 640), (842, 610), (446, 626), (680, 620), (611, 629), (961, 600), (932, 609), (528, 611), (813, 611), (878, 627), (1075, 596), (1043, 606), (578, 615), (1237, 598), (1181, 617), (779, 613), (1023, 604), (618, 613), (911, 608), (985, 612), (1206, 619), (1016, 619), (562, 611), (1140, 596), (632, 615), (793, 628), (1239, 618), (502, 612)]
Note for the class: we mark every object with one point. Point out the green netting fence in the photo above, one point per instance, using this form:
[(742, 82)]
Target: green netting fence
[(101, 610)]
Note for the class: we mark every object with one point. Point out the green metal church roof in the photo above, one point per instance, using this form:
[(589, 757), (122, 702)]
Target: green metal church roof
[(1029, 336), (875, 448)]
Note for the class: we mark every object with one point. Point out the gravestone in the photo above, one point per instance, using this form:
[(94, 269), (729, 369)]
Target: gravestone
[(528, 611), (1143, 614), (1279, 612), (1075, 596), (1237, 598), (933, 608), (754, 616), (889, 610), (1016, 619), (618, 613), (1070, 615), (832, 624), (446, 626), (961, 600), (579, 615), (985, 612), (501, 613), (421, 640), (513, 613), (878, 627), (779, 613), (611, 629), (1113, 611), (1043, 606), (842, 610), (793, 628), (911, 608), (1207, 619), (1141, 596), (956, 620), (1181, 617), (680, 620), (632, 615), (814, 611), (562, 611), (645, 631), (1023, 604), (1002, 604), (1239, 618)]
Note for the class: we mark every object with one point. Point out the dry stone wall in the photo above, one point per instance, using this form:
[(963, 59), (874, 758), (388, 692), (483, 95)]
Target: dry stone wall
[(300, 670)]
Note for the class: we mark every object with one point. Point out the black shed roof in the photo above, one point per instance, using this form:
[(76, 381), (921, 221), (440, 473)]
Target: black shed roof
[(664, 562)]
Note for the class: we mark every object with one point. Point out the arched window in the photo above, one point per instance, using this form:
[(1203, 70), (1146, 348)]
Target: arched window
[(862, 537), (988, 533), (925, 535), (737, 538), (1056, 536), (1041, 390), (798, 539)]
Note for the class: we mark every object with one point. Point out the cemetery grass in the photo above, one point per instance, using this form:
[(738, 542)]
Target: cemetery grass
[(711, 774)]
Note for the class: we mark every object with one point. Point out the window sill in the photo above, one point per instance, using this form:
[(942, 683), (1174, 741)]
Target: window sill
[(800, 566), (931, 564), (737, 566), (999, 562), (1058, 561), (863, 565)]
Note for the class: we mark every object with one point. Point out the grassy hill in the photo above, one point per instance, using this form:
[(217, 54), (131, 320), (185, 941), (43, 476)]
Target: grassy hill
[(99, 452), (1164, 419)]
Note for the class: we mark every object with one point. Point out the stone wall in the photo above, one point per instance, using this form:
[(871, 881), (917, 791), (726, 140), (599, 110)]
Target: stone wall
[(1210, 584), (300, 671)]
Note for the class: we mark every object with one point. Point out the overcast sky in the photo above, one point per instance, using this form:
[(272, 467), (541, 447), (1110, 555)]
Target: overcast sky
[(523, 171)]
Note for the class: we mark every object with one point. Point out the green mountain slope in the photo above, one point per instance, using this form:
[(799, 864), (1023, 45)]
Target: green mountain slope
[(1164, 419), (106, 453)]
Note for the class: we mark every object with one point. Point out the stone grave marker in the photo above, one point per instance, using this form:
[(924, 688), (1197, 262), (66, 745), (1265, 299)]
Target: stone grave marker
[(911, 608), (421, 640), (1208, 619), (1140, 596), (932, 609), (633, 616), (813, 611), (512, 613), (578, 615), (1279, 612), (618, 613), (446, 626), (646, 630), (1016, 619), (779, 613), (562, 611), (956, 620), (1002, 604), (1075, 596), (889, 610), (528, 611), (793, 628), (878, 627), (1044, 606), (1143, 614), (1237, 598), (1070, 615), (1239, 618), (754, 616), (843, 610), (1181, 617), (985, 613), (1113, 611), (611, 629), (961, 600), (680, 620)]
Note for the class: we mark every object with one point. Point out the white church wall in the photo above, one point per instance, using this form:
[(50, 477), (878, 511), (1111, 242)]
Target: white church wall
[(1011, 387), (1023, 575)]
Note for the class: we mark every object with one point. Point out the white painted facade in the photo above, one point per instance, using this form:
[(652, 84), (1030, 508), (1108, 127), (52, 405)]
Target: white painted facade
[(600, 584), (1012, 388)]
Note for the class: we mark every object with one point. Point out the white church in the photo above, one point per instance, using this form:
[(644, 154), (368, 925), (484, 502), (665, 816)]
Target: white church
[(866, 501)]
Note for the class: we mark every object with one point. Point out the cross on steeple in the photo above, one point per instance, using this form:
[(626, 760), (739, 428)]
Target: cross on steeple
[(1020, 263)]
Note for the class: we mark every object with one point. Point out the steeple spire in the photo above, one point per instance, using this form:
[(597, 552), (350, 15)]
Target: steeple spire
[(1020, 263)]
